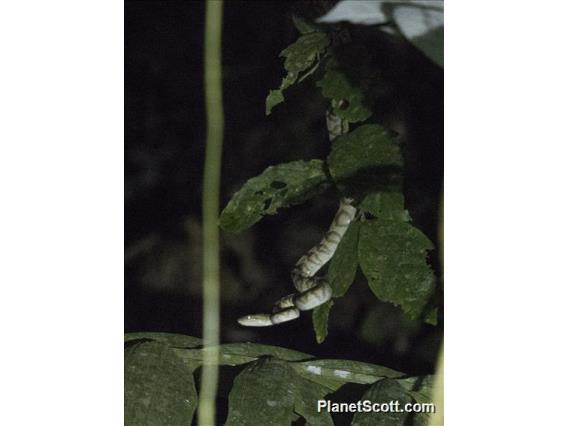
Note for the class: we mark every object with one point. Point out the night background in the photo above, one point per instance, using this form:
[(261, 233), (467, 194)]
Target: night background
[(165, 139)]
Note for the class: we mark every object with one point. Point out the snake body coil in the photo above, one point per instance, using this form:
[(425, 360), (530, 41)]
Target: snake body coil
[(312, 291)]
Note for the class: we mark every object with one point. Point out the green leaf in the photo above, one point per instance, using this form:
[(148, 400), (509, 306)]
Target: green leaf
[(348, 98), (431, 316), (320, 317), (274, 98), (392, 255), (329, 372), (366, 160), (158, 388), (385, 205), (277, 187), (420, 388), (384, 391), (261, 395), (340, 274), (242, 353), (304, 26), (257, 350), (307, 395), (300, 56), (343, 265), (171, 339)]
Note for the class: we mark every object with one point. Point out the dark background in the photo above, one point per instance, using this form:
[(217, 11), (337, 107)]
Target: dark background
[(164, 163)]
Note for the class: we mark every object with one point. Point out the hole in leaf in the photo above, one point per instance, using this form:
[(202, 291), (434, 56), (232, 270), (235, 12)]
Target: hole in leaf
[(259, 192), (276, 184), (267, 203)]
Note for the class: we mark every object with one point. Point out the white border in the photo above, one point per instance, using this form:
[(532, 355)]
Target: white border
[(505, 212), (61, 177)]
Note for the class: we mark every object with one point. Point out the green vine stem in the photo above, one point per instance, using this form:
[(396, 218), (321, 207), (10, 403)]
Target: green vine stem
[(211, 189)]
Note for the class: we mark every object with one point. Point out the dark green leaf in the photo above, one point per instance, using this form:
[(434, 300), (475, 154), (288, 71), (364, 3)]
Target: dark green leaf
[(385, 205), (342, 371), (278, 186), (304, 26), (261, 395), (242, 353), (274, 98), (384, 391), (431, 317), (348, 98), (257, 350), (158, 388), (366, 160), (171, 339), (420, 388), (320, 317), (343, 265), (392, 255), (307, 395), (341, 274), (303, 53), (300, 57)]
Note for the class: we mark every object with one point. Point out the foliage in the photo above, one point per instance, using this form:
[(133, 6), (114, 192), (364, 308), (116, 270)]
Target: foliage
[(273, 387), (365, 164), (276, 386), (277, 187)]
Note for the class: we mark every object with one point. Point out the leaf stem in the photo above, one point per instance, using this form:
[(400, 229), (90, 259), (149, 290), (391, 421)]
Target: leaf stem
[(211, 190)]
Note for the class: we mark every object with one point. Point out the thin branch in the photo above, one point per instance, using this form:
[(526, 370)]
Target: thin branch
[(211, 189)]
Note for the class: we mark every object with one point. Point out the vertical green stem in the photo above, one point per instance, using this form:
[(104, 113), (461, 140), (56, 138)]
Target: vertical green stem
[(211, 189)]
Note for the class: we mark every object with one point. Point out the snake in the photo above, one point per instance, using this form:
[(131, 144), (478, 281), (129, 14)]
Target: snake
[(312, 291)]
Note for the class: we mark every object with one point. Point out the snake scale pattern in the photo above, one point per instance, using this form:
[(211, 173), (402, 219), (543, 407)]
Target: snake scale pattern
[(312, 291)]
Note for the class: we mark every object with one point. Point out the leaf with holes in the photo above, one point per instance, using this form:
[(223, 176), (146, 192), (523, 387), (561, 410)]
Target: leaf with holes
[(348, 98), (385, 205), (392, 255), (277, 187), (300, 57), (158, 387)]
